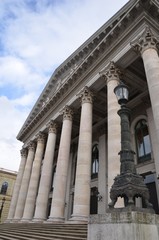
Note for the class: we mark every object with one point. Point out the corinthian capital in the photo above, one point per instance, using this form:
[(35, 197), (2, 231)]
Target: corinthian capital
[(41, 137), (145, 41), (31, 146), (23, 152), (111, 72), (67, 113), (52, 127), (86, 95)]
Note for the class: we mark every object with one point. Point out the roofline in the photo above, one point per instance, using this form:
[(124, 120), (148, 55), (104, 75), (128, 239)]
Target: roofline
[(4, 170), (121, 12)]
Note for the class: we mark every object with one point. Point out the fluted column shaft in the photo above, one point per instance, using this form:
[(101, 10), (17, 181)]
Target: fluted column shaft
[(113, 122), (147, 45), (59, 191), (81, 207), (46, 175), (25, 182), (34, 180), (17, 185)]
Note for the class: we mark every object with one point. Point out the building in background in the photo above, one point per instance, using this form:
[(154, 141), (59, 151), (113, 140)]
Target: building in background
[(7, 180), (72, 135)]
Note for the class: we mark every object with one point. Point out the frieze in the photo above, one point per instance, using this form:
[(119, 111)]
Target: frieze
[(100, 47)]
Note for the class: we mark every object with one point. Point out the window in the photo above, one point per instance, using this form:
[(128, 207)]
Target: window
[(142, 141), (4, 188), (95, 161)]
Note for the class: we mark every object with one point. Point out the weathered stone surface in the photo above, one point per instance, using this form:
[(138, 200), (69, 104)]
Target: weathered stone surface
[(125, 225)]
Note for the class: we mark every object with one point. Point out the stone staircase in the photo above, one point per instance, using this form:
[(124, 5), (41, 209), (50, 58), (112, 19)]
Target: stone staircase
[(37, 231)]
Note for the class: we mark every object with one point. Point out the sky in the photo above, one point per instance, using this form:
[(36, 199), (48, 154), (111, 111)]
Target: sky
[(36, 36)]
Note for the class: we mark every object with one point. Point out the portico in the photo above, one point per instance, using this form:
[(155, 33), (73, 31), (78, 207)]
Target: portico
[(77, 112)]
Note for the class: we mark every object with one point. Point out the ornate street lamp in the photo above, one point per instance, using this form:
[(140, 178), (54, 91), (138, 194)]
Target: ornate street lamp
[(2, 205), (122, 93), (128, 184)]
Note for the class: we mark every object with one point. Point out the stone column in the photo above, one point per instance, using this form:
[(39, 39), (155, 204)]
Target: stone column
[(59, 191), (81, 208), (46, 175), (147, 45), (68, 203), (154, 140), (102, 174), (17, 185), (155, 144), (34, 180), (113, 125), (25, 182)]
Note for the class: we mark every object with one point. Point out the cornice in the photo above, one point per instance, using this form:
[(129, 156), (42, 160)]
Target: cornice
[(79, 54), (112, 35), (94, 40)]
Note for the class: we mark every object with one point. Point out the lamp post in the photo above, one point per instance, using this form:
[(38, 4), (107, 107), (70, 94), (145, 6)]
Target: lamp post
[(128, 184), (2, 205)]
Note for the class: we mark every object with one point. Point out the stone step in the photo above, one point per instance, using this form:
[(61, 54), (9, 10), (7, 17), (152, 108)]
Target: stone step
[(49, 234), (48, 230), (28, 236), (46, 226), (35, 231)]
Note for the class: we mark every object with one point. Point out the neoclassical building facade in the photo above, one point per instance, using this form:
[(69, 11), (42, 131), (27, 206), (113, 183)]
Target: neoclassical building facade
[(7, 181), (72, 135)]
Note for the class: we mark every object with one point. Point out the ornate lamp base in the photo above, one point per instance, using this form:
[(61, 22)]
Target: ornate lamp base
[(129, 186)]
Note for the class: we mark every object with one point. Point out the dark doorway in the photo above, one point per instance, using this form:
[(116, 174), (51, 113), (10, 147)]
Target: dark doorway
[(94, 201), (149, 180), (153, 196)]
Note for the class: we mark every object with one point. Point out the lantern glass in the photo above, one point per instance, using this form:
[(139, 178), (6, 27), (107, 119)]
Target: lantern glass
[(122, 93)]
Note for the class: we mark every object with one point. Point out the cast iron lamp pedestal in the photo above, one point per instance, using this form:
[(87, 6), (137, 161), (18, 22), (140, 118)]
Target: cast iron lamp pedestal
[(128, 184)]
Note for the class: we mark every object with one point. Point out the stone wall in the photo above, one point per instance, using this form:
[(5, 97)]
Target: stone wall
[(123, 226), (9, 177)]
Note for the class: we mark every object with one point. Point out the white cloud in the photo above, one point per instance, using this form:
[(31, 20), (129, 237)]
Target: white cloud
[(35, 37), (47, 36), (11, 117), (17, 73), (10, 154), (25, 100), (11, 121)]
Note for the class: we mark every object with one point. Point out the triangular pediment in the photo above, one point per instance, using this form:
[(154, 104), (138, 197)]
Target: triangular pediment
[(86, 55)]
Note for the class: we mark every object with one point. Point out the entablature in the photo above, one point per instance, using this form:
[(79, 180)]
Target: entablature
[(62, 87)]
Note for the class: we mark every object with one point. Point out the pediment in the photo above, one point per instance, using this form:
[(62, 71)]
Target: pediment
[(86, 56)]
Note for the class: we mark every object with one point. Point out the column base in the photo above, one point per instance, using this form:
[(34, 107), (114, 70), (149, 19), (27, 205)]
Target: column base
[(16, 220), (38, 220), (55, 219), (25, 220), (8, 220), (78, 219)]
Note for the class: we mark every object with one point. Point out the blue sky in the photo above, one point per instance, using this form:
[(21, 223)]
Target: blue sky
[(35, 37)]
